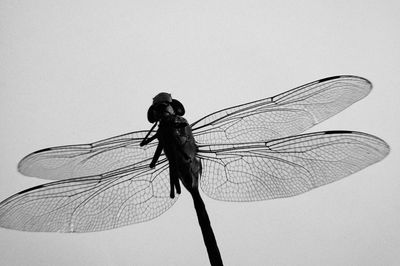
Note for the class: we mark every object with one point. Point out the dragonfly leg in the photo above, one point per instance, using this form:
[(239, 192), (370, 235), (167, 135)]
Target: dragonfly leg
[(171, 189), (147, 140), (173, 181), (177, 186), (156, 155)]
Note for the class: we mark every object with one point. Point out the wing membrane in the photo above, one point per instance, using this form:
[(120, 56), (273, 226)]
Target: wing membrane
[(286, 167), (285, 114), (88, 159), (91, 203)]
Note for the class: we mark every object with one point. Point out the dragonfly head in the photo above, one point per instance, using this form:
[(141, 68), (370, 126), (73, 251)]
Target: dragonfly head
[(164, 105)]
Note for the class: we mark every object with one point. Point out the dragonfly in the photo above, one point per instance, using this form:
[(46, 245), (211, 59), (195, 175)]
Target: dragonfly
[(249, 152)]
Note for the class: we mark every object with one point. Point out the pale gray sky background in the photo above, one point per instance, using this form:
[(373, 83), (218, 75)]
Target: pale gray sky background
[(80, 71)]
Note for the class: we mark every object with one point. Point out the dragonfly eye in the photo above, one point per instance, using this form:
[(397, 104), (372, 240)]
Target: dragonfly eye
[(178, 107), (162, 97), (156, 110)]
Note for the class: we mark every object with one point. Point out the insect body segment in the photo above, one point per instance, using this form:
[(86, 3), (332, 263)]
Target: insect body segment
[(176, 140)]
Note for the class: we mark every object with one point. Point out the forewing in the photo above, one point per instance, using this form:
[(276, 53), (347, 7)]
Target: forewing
[(88, 159), (286, 167), (286, 114), (92, 203)]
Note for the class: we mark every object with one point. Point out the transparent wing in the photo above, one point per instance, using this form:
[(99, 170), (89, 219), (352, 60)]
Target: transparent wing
[(92, 203), (88, 159), (286, 114), (286, 167)]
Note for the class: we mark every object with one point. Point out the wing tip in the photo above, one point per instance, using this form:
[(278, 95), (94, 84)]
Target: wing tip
[(364, 85), (22, 164), (384, 146), (345, 76)]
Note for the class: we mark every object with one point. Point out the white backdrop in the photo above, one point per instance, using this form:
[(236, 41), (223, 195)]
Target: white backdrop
[(80, 71)]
